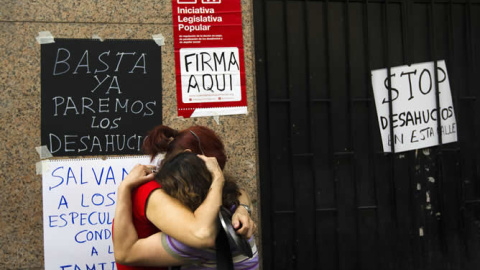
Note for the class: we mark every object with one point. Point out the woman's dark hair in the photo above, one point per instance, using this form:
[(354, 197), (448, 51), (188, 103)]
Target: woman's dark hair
[(199, 139), (186, 178)]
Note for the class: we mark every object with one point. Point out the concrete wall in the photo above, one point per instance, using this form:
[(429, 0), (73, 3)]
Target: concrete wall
[(21, 225)]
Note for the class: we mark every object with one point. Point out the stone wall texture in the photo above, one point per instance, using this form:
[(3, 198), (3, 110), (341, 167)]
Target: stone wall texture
[(21, 225)]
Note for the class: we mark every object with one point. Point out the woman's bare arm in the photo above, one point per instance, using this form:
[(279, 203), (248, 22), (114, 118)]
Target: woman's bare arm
[(197, 229), (128, 249), (149, 252)]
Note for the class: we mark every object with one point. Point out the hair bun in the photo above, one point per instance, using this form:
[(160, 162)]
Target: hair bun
[(157, 140)]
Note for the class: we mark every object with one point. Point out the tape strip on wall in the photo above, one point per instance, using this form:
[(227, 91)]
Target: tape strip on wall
[(43, 152), (159, 39), (45, 37)]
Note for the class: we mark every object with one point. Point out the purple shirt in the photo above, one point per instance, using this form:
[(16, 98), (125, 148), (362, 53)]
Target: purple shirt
[(204, 259)]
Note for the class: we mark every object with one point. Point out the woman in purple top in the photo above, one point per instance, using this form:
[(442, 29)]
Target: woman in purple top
[(206, 258), (190, 179)]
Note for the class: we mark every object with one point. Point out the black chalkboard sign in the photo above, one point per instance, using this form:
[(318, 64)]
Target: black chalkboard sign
[(99, 97)]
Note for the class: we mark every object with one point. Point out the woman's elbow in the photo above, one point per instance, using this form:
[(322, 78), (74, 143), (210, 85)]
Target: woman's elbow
[(206, 238), (122, 258)]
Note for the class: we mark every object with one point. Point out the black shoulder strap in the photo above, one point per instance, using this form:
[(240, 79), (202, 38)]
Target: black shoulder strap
[(224, 254)]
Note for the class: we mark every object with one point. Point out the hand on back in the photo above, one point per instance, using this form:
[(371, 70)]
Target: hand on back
[(139, 175)]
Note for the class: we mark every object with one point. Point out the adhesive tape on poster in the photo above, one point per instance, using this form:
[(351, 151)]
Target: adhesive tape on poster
[(159, 39), (42, 166), (217, 119), (43, 152), (45, 37), (97, 37)]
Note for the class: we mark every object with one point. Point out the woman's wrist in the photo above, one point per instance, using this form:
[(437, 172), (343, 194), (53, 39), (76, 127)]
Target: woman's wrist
[(125, 187), (246, 207), (217, 177), (217, 182)]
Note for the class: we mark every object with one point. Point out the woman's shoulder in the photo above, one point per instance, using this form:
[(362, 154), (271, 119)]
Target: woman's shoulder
[(141, 195), (148, 187), (143, 192)]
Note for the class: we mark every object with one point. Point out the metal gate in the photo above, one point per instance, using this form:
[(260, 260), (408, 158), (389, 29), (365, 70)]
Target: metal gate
[(330, 197)]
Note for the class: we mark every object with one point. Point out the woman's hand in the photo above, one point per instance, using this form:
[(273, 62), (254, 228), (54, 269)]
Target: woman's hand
[(243, 223), (139, 175), (213, 167), (241, 220)]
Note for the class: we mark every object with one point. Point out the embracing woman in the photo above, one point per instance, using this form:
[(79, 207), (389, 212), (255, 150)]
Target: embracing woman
[(150, 209)]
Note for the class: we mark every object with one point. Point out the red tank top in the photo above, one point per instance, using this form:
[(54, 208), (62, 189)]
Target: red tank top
[(143, 226)]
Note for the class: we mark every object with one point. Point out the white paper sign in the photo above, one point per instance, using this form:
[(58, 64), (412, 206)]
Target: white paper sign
[(78, 207), (414, 110), (210, 75)]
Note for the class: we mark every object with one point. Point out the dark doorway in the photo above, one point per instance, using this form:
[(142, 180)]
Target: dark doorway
[(330, 197)]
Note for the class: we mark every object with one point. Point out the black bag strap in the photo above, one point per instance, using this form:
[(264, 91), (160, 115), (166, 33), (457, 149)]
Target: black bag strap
[(223, 252)]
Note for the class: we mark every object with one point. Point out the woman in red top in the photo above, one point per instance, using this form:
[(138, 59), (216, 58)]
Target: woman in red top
[(154, 210)]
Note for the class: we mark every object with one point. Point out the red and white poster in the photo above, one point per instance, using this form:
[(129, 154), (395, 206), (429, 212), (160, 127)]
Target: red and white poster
[(209, 57)]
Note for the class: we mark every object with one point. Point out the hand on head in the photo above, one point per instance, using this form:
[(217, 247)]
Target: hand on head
[(241, 220), (139, 175), (213, 167)]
